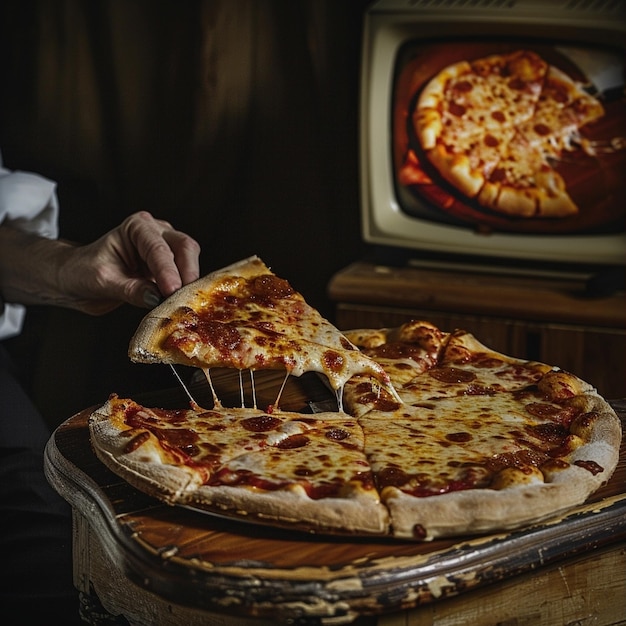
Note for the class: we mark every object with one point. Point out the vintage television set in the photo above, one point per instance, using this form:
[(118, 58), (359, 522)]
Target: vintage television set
[(406, 43)]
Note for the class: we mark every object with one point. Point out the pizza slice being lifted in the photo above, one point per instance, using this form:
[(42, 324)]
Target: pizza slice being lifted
[(245, 317)]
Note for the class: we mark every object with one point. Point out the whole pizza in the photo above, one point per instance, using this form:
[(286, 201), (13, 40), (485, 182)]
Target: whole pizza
[(436, 435)]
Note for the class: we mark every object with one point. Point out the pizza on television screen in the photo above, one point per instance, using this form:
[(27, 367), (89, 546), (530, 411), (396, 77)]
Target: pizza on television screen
[(512, 137)]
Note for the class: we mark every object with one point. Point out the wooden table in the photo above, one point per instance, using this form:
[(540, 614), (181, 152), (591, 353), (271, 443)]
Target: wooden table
[(141, 562)]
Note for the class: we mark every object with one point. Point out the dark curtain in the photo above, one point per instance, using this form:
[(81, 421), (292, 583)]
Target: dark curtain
[(236, 120)]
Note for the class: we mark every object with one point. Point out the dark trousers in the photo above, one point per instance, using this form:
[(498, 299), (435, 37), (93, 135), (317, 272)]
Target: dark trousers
[(36, 533)]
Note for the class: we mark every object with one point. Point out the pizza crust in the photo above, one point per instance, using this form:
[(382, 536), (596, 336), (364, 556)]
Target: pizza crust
[(358, 514), (145, 345), (546, 198), (476, 511), (147, 468), (457, 169)]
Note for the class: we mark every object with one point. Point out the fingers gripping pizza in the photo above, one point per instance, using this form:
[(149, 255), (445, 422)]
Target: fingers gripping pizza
[(437, 434)]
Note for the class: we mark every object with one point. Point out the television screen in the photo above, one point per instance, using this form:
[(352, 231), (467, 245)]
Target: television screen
[(555, 140), (495, 130)]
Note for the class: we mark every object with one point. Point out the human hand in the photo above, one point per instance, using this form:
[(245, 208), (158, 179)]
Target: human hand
[(141, 261)]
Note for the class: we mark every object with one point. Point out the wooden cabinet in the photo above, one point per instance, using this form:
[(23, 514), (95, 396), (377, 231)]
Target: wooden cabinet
[(549, 319)]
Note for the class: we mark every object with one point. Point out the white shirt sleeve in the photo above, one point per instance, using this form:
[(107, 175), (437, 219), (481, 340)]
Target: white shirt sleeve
[(29, 203)]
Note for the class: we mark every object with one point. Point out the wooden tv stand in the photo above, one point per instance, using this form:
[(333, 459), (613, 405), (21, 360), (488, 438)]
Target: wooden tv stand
[(544, 318)]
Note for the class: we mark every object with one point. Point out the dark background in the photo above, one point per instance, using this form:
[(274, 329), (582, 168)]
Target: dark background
[(236, 120)]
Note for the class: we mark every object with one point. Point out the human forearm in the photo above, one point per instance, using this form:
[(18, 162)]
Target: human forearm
[(32, 269)]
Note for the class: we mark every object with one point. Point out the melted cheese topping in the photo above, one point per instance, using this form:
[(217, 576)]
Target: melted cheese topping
[(463, 442), (325, 460), (262, 323), (322, 455), (470, 418)]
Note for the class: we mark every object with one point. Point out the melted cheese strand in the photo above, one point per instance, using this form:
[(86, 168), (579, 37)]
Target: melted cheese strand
[(253, 388), (610, 146), (182, 384), (216, 400), (241, 394), (339, 396), (280, 391), (242, 390), (393, 391)]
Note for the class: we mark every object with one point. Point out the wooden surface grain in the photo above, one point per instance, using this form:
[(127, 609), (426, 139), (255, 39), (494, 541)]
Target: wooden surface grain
[(553, 298)]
